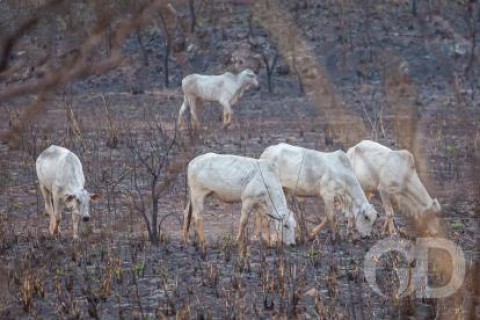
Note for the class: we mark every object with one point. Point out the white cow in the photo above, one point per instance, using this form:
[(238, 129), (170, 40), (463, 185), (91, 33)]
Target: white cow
[(237, 179), (308, 173), (61, 179), (226, 88), (393, 175)]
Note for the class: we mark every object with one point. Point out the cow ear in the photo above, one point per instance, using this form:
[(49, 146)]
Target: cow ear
[(69, 198), (95, 196)]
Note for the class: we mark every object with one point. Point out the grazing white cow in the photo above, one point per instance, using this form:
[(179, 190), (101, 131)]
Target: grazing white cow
[(393, 175), (226, 88), (61, 179), (308, 173), (232, 179)]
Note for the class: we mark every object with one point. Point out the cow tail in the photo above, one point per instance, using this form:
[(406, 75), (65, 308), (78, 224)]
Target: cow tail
[(187, 217), (186, 101)]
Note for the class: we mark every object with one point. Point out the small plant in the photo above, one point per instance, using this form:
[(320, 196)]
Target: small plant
[(59, 272), (117, 270), (113, 130), (106, 289), (17, 206), (139, 269), (458, 224)]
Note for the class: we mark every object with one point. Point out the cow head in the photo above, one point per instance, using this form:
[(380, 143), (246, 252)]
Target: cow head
[(429, 222), (249, 78), (287, 226), (365, 218), (79, 203)]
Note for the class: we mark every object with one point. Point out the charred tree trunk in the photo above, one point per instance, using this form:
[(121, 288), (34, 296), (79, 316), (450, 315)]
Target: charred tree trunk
[(270, 66), (168, 45), (193, 17), (142, 49), (154, 226)]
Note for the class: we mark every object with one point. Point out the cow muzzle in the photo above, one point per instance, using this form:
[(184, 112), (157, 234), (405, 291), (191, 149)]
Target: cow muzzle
[(85, 219)]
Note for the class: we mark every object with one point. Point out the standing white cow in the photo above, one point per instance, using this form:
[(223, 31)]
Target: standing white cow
[(237, 179), (225, 88), (308, 173), (61, 179), (393, 175)]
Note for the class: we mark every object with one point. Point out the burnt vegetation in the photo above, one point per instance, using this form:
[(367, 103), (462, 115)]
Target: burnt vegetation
[(102, 78)]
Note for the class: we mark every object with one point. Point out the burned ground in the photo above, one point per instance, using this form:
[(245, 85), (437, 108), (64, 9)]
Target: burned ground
[(113, 119)]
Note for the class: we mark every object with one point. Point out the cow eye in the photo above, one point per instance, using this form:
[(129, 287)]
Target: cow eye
[(367, 218), (285, 226)]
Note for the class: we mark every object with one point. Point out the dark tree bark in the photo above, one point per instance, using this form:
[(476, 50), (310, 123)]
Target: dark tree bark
[(142, 48), (270, 66), (168, 45), (193, 17)]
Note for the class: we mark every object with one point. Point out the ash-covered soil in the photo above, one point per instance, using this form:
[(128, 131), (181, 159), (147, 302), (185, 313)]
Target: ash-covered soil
[(115, 272)]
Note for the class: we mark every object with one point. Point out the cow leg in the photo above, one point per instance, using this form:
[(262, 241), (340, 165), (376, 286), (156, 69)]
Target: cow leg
[(197, 209), (388, 227), (262, 231), (302, 224), (331, 220), (227, 113), (186, 222), (247, 206), (183, 108), (47, 197), (329, 210), (318, 228), (56, 213), (76, 223), (258, 229), (193, 112)]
